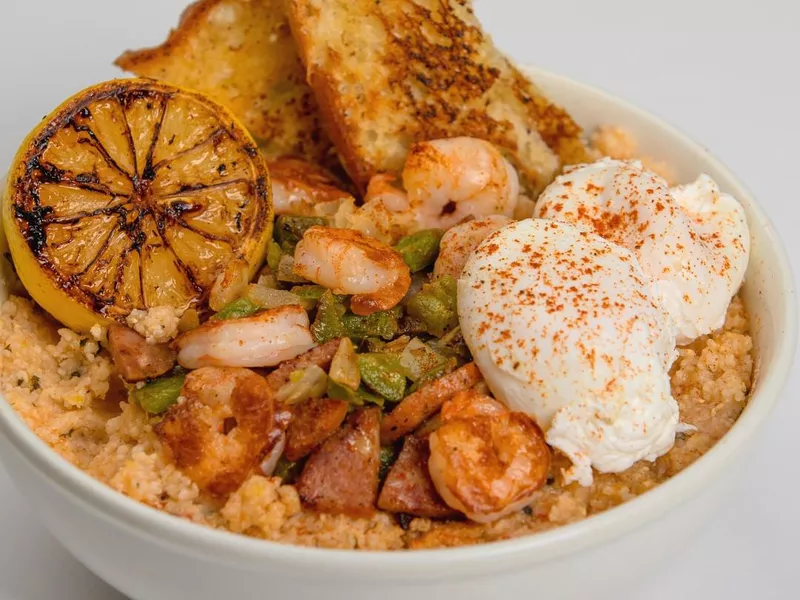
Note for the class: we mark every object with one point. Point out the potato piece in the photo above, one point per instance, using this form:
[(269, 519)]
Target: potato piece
[(314, 421), (408, 487), (341, 477), (241, 53)]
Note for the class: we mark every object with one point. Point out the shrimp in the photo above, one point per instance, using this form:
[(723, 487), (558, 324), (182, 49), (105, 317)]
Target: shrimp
[(382, 188), (349, 262), (263, 340), (448, 180), (470, 403), (443, 182), (486, 461), (302, 188), (221, 429), (385, 214), (458, 243)]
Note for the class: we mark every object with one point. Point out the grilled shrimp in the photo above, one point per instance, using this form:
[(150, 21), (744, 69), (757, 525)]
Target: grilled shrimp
[(382, 189), (485, 460), (263, 340), (302, 188), (448, 180), (470, 403), (443, 182), (221, 429), (458, 243), (349, 262), (385, 214)]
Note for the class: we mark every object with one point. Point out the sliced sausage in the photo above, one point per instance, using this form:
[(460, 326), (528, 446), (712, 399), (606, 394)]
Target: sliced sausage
[(341, 476), (415, 408), (134, 358), (313, 422), (320, 356), (408, 487)]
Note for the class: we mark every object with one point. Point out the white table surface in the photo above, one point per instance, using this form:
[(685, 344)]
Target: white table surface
[(724, 71)]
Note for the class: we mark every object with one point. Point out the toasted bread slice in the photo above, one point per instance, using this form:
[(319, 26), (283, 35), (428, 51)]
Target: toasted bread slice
[(241, 53), (390, 73)]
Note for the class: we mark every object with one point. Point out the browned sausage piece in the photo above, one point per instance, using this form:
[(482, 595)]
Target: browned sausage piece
[(134, 358), (415, 408), (408, 487), (313, 422), (320, 356), (341, 476)]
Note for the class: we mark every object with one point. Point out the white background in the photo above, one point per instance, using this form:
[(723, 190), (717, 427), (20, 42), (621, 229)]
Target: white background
[(724, 71)]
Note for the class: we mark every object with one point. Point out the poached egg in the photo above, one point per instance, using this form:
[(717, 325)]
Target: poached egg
[(563, 325), (692, 241)]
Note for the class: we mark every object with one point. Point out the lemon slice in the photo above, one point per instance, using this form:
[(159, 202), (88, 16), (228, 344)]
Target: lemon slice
[(134, 194)]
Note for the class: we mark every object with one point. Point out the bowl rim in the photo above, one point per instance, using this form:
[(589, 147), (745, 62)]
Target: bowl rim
[(223, 546)]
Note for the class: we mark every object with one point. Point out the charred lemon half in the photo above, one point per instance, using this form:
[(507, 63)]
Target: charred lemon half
[(134, 194)]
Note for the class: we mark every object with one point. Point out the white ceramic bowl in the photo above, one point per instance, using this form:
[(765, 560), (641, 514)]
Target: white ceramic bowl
[(150, 555)]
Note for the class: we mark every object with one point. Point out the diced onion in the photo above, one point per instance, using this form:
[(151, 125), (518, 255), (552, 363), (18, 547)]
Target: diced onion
[(286, 270), (266, 297), (229, 285), (418, 358), (311, 383), (267, 279), (273, 456), (344, 366)]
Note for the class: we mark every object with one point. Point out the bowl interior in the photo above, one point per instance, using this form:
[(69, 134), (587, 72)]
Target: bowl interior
[(770, 298)]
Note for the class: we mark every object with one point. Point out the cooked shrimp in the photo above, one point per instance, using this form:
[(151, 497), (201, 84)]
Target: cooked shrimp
[(263, 340), (444, 182), (487, 462), (221, 429), (458, 243), (448, 180), (349, 262), (470, 403), (302, 188), (385, 214), (382, 188)]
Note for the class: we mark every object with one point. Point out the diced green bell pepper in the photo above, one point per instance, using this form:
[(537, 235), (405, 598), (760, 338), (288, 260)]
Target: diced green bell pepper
[(435, 305), (383, 374), (289, 230), (359, 397), (158, 395), (241, 307), (309, 293), (419, 250), (334, 321)]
